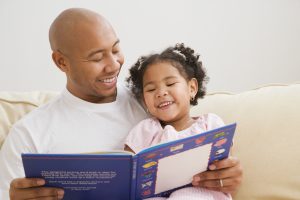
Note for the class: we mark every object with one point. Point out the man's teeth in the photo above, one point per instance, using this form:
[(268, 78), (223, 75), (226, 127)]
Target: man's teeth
[(165, 104), (108, 80)]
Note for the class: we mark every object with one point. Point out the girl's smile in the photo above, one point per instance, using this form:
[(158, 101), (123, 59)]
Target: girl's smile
[(167, 93)]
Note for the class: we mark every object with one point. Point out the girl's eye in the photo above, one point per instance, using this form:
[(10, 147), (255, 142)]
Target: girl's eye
[(171, 84), (150, 90)]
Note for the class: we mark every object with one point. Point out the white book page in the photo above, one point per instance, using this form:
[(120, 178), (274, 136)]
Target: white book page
[(178, 170)]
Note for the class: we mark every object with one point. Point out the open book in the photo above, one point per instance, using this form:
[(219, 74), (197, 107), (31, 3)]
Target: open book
[(156, 171)]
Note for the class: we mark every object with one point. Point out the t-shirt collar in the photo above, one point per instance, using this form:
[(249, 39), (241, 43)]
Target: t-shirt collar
[(72, 100)]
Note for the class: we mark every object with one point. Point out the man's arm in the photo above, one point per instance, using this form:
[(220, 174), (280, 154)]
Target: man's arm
[(12, 186)]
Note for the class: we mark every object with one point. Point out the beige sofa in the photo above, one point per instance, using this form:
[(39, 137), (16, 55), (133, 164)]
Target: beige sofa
[(267, 140)]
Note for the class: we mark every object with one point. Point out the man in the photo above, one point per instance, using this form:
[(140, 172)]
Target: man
[(92, 114)]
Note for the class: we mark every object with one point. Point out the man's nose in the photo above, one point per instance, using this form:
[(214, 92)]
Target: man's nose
[(113, 64)]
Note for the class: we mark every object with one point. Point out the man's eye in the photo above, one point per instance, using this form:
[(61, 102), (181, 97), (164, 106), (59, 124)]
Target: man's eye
[(116, 51), (96, 59)]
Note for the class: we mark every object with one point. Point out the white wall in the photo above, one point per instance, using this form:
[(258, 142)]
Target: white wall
[(243, 43)]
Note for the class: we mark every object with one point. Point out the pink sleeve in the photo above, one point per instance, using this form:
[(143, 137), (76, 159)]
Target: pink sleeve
[(214, 121), (142, 134)]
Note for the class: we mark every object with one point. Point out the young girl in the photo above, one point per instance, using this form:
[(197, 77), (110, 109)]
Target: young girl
[(168, 83)]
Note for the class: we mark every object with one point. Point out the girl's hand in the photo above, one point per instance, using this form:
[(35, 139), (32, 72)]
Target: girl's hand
[(32, 188), (224, 175)]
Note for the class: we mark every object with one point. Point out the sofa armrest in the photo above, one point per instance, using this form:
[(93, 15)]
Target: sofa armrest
[(14, 105)]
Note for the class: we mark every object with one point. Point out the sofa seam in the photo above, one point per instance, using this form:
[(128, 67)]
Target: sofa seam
[(18, 102)]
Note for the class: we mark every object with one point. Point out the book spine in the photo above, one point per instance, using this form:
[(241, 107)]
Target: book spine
[(133, 178)]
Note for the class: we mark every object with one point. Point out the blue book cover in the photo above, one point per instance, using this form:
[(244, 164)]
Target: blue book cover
[(156, 171)]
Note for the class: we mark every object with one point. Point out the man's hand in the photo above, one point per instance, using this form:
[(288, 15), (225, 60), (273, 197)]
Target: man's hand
[(224, 175), (31, 188)]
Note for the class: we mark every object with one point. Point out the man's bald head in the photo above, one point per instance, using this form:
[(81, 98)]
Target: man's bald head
[(71, 26)]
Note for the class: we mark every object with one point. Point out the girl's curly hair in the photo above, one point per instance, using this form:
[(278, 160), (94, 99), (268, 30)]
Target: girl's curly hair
[(181, 57)]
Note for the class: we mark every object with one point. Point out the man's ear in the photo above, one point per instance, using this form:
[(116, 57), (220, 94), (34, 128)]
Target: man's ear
[(193, 87), (60, 61)]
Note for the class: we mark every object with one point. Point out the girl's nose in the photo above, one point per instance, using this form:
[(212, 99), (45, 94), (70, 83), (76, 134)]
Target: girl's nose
[(161, 93)]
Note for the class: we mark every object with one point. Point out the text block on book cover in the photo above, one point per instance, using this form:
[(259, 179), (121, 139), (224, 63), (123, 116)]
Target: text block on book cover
[(173, 172)]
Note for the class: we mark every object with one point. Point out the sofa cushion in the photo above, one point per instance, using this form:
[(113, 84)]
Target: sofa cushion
[(266, 141), (267, 138), (13, 105)]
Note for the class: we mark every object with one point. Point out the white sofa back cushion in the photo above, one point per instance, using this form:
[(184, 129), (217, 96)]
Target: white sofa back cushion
[(267, 140)]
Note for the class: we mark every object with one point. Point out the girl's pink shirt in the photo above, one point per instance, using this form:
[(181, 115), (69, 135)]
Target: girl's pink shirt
[(149, 132)]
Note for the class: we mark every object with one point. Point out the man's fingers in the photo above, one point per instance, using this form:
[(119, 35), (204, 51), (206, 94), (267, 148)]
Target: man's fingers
[(225, 176), (224, 169), (216, 175), (20, 183), (46, 192), (30, 188), (217, 183), (223, 185), (46, 198), (228, 185), (226, 163), (37, 193)]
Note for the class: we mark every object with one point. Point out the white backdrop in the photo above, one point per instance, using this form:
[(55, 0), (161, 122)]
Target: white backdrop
[(243, 43)]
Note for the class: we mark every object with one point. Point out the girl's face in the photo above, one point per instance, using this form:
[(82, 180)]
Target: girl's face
[(167, 93)]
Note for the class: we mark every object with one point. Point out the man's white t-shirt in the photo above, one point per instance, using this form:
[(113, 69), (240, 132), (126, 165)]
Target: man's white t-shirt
[(68, 124)]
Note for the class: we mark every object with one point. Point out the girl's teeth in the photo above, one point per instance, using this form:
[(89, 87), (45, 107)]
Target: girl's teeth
[(165, 104)]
